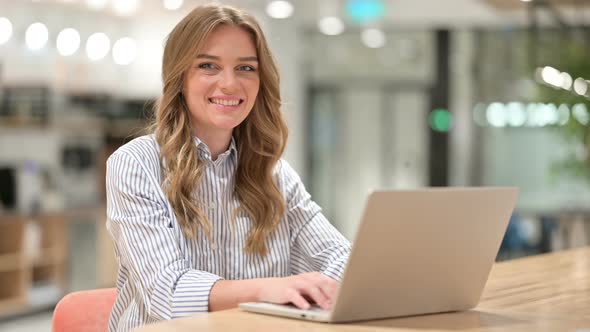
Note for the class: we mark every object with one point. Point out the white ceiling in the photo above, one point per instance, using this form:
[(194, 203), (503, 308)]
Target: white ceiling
[(422, 13)]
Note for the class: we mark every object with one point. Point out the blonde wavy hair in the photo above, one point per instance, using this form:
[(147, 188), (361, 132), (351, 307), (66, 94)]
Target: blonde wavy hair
[(260, 138)]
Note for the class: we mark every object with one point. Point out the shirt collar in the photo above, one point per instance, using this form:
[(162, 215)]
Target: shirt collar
[(204, 151)]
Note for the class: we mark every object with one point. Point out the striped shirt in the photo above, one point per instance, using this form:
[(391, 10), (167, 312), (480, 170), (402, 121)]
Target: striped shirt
[(163, 274)]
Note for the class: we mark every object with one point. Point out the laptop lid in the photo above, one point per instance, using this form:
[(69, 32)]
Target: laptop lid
[(423, 251)]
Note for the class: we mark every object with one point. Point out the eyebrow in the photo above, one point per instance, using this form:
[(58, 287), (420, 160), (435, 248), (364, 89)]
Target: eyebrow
[(214, 57)]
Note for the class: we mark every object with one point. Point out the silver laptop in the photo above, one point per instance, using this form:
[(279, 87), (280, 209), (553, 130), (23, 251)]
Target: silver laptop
[(416, 252)]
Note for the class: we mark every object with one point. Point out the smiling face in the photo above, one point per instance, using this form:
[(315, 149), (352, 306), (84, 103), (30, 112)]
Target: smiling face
[(221, 85)]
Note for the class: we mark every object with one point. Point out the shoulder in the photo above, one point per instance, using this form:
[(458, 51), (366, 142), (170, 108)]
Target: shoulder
[(287, 178), (143, 150), (290, 184), (284, 171), (140, 148)]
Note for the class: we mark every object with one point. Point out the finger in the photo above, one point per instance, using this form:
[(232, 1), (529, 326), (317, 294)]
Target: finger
[(329, 294), (328, 286), (317, 295), (297, 299), (331, 288)]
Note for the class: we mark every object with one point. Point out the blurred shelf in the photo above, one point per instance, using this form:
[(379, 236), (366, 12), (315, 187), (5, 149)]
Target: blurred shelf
[(20, 122), (32, 262), (126, 127), (25, 105), (11, 262), (50, 256), (12, 307)]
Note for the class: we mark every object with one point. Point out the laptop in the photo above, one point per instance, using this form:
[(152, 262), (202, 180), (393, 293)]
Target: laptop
[(416, 252)]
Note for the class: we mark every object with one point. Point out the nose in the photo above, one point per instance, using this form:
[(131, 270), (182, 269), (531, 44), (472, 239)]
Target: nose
[(227, 80)]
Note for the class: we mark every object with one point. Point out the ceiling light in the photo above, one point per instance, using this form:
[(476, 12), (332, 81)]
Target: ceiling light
[(5, 30), (551, 76), (515, 114), (173, 4), (563, 113), (68, 41), (580, 113), (331, 25), (364, 11), (566, 81), (580, 86), (279, 9), (125, 7), (124, 51), (97, 46), (36, 36), (96, 4), (496, 115), (373, 38)]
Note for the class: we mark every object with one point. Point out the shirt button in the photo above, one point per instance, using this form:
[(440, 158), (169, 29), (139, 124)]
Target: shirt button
[(212, 206), (213, 246)]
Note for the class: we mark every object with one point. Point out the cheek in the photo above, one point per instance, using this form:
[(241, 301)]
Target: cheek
[(198, 84), (203, 84), (194, 91)]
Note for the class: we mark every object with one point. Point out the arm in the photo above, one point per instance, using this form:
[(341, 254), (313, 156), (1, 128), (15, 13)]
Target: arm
[(227, 294), (148, 245), (316, 244)]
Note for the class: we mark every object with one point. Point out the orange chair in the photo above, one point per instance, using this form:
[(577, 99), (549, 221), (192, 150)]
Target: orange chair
[(84, 311)]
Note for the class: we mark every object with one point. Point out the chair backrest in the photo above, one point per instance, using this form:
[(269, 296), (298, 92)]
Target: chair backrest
[(84, 311)]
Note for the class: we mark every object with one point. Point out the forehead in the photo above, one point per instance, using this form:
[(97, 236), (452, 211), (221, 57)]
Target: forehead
[(229, 40)]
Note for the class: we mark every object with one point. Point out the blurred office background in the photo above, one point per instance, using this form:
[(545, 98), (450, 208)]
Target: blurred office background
[(377, 93)]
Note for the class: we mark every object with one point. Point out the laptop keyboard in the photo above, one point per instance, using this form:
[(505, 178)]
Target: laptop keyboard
[(313, 308)]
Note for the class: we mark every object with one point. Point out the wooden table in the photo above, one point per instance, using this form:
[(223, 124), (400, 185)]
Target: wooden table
[(542, 293)]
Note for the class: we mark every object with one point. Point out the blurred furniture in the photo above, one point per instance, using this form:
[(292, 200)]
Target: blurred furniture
[(106, 263), (87, 311), (92, 262), (25, 105), (540, 293), (32, 262), (573, 230)]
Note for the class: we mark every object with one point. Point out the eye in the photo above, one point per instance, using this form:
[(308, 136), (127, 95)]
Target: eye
[(246, 68), (206, 65)]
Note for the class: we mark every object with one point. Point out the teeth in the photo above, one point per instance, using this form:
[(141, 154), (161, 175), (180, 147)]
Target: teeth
[(225, 102)]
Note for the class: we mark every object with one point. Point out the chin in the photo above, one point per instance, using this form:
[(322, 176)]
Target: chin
[(227, 125)]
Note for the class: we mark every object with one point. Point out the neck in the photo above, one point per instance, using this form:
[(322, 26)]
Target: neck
[(217, 143)]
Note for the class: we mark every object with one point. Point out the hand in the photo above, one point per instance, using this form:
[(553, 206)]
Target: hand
[(295, 289)]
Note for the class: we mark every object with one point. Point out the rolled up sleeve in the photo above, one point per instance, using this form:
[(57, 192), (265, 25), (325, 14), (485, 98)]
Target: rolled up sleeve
[(147, 243)]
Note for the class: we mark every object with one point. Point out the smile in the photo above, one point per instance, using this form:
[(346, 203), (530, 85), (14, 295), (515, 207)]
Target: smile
[(226, 102)]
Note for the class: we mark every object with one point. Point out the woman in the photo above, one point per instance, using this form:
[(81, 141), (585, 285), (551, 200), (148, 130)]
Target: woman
[(203, 213)]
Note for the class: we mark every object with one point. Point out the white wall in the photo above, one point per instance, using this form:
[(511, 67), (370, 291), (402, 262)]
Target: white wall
[(522, 157), (285, 43)]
